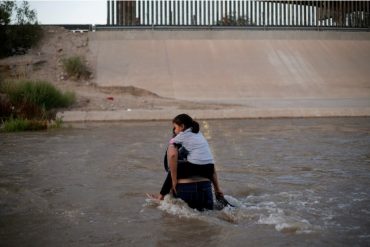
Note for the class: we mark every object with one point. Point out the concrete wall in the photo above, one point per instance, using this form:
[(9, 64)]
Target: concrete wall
[(235, 65)]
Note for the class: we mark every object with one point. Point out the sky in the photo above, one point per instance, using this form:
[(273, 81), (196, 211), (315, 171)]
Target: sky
[(70, 11)]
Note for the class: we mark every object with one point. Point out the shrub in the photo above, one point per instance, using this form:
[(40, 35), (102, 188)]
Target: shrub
[(19, 124), (75, 68), (19, 35), (38, 93)]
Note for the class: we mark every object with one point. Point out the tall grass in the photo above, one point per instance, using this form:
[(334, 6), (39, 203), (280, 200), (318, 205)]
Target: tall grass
[(18, 124), (75, 68), (39, 93), (28, 105)]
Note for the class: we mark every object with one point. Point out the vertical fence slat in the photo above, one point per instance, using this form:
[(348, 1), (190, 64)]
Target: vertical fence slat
[(336, 13), (235, 10), (344, 13), (178, 10), (108, 13), (271, 12), (357, 16), (350, 14), (239, 11), (342, 9), (118, 11), (303, 15), (355, 20), (288, 13), (113, 13), (309, 13), (204, 13), (124, 15), (165, 10), (368, 14), (292, 13), (281, 15), (319, 13), (196, 12), (298, 12), (254, 11), (221, 11), (339, 14), (209, 13), (230, 9), (361, 12), (325, 13), (187, 13), (330, 13), (258, 15), (191, 12), (216, 15), (295, 11)]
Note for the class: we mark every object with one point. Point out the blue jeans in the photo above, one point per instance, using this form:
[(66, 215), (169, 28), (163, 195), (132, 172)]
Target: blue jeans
[(197, 195)]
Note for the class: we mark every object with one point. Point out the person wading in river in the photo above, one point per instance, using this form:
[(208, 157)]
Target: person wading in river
[(191, 180)]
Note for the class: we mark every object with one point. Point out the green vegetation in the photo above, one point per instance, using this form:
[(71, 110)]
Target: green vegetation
[(18, 124), (20, 33), (30, 105), (39, 93), (26, 104), (75, 68)]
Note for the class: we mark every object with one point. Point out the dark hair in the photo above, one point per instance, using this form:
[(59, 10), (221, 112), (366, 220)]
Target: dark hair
[(187, 121)]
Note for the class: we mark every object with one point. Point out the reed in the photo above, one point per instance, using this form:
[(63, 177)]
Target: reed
[(75, 68), (40, 93)]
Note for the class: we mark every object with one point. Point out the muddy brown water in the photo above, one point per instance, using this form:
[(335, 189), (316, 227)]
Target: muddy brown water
[(295, 182)]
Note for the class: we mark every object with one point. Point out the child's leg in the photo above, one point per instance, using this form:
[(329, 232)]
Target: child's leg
[(167, 185)]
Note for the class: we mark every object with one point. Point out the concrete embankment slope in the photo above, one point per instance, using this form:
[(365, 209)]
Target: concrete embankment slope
[(256, 69)]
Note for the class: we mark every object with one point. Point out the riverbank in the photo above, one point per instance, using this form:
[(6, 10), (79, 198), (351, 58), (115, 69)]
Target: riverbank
[(141, 114), (154, 75)]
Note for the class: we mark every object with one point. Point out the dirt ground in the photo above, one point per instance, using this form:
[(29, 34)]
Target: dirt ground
[(44, 62)]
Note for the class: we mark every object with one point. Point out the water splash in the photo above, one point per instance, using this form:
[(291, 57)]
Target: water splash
[(263, 209), (173, 206)]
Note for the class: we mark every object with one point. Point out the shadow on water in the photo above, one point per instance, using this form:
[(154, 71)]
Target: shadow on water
[(293, 181)]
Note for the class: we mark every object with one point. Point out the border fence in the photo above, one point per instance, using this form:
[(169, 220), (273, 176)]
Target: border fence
[(341, 14)]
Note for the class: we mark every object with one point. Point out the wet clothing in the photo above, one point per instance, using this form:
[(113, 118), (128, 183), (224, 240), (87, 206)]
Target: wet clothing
[(196, 145), (197, 195), (187, 170)]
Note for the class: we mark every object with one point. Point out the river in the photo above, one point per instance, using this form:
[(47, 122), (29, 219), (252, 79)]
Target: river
[(295, 182)]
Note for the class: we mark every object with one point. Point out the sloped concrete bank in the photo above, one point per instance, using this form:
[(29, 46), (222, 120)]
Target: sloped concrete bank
[(298, 74)]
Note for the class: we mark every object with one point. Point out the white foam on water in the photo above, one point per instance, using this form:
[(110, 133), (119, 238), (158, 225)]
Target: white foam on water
[(173, 206), (283, 210), (284, 223), (263, 209), (179, 208)]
